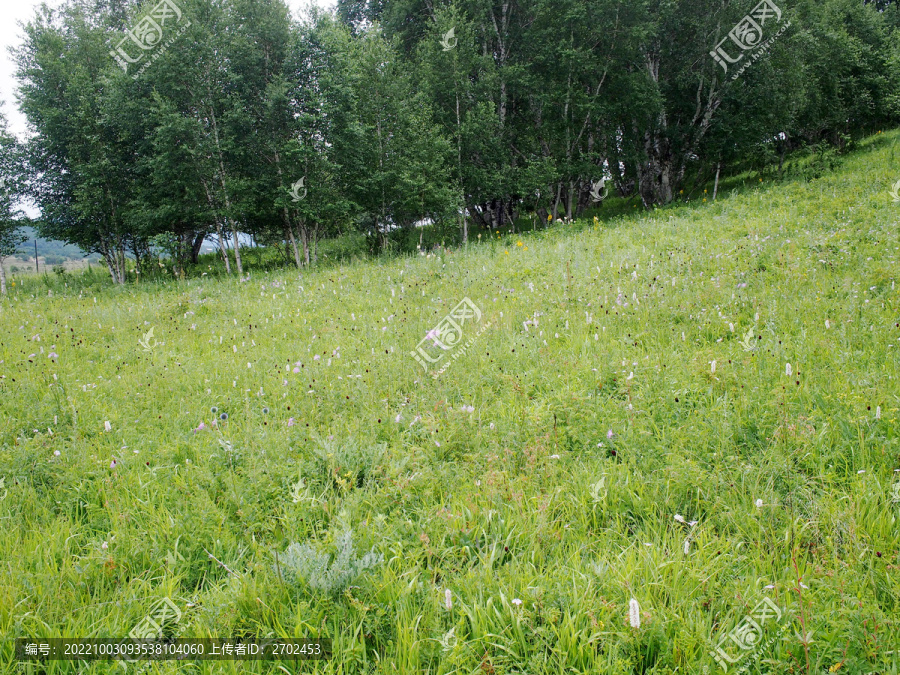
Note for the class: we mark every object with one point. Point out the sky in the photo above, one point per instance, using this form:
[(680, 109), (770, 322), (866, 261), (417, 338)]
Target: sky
[(14, 11)]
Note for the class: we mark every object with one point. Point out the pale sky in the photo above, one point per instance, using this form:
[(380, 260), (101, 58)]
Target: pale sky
[(14, 11)]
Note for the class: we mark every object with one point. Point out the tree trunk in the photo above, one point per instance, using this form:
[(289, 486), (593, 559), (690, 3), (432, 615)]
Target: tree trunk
[(304, 240), (289, 228), (2, 278), (222, 247), (716, 185), (219, 232), (195, 248), (556, 202), (229, 219), (112, 268), (290, 232), (237, 245)]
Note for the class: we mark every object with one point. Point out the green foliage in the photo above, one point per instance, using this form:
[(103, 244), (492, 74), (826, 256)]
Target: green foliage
[(380, 126), (540, 523)]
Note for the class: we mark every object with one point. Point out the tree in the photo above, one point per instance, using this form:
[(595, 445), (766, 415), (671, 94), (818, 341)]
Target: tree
[(10, 186)]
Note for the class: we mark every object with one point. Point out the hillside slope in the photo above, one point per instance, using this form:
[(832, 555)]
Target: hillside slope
[(695, 409)]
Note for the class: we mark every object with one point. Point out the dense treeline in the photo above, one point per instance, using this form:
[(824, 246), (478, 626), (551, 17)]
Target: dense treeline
[(203, 120)]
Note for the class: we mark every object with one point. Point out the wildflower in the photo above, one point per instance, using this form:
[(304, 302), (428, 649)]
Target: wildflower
[(549, 217), (104, 545), (57, 453), (877, 412), (201, 427), (713, 366), (519, 243), (634, 613), (687, 546), (861, 471), (214, 410), (610, 435), (296, 370), (223, 416), (316, 357), (759, 503), (448, 599), (491, 425), (398, 418), (291, 422), (827, 323), (112, 464), (265, 411), (108, 426), (788, 370), (53, 355), (554, 456), (517, 602), (679, 518)]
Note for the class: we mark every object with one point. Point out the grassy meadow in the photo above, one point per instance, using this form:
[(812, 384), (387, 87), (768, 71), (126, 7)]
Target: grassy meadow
[(694, 408)]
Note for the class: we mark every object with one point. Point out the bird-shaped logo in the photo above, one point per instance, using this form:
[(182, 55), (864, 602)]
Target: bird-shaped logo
[(747, 342), (145, 343), (449, 41), (896, 192), (595, 190), (295, 190)]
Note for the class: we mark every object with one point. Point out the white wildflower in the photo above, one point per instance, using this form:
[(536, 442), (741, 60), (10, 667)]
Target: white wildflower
[(634, 613)]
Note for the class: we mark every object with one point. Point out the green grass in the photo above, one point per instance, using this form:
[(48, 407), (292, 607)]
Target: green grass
[(525, 498)]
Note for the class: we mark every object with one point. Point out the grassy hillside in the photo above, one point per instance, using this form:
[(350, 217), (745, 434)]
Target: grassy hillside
[(695, 409)]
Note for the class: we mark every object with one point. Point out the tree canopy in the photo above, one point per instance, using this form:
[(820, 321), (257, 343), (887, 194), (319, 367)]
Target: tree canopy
[(160, 123)]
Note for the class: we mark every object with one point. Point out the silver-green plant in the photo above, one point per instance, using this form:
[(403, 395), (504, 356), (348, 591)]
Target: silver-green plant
[(322, 573)]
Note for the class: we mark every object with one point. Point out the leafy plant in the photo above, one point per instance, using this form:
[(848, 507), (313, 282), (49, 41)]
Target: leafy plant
[(324, 573)]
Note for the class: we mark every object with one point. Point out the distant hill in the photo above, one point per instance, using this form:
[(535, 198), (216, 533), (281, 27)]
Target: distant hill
[(54, 252)]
